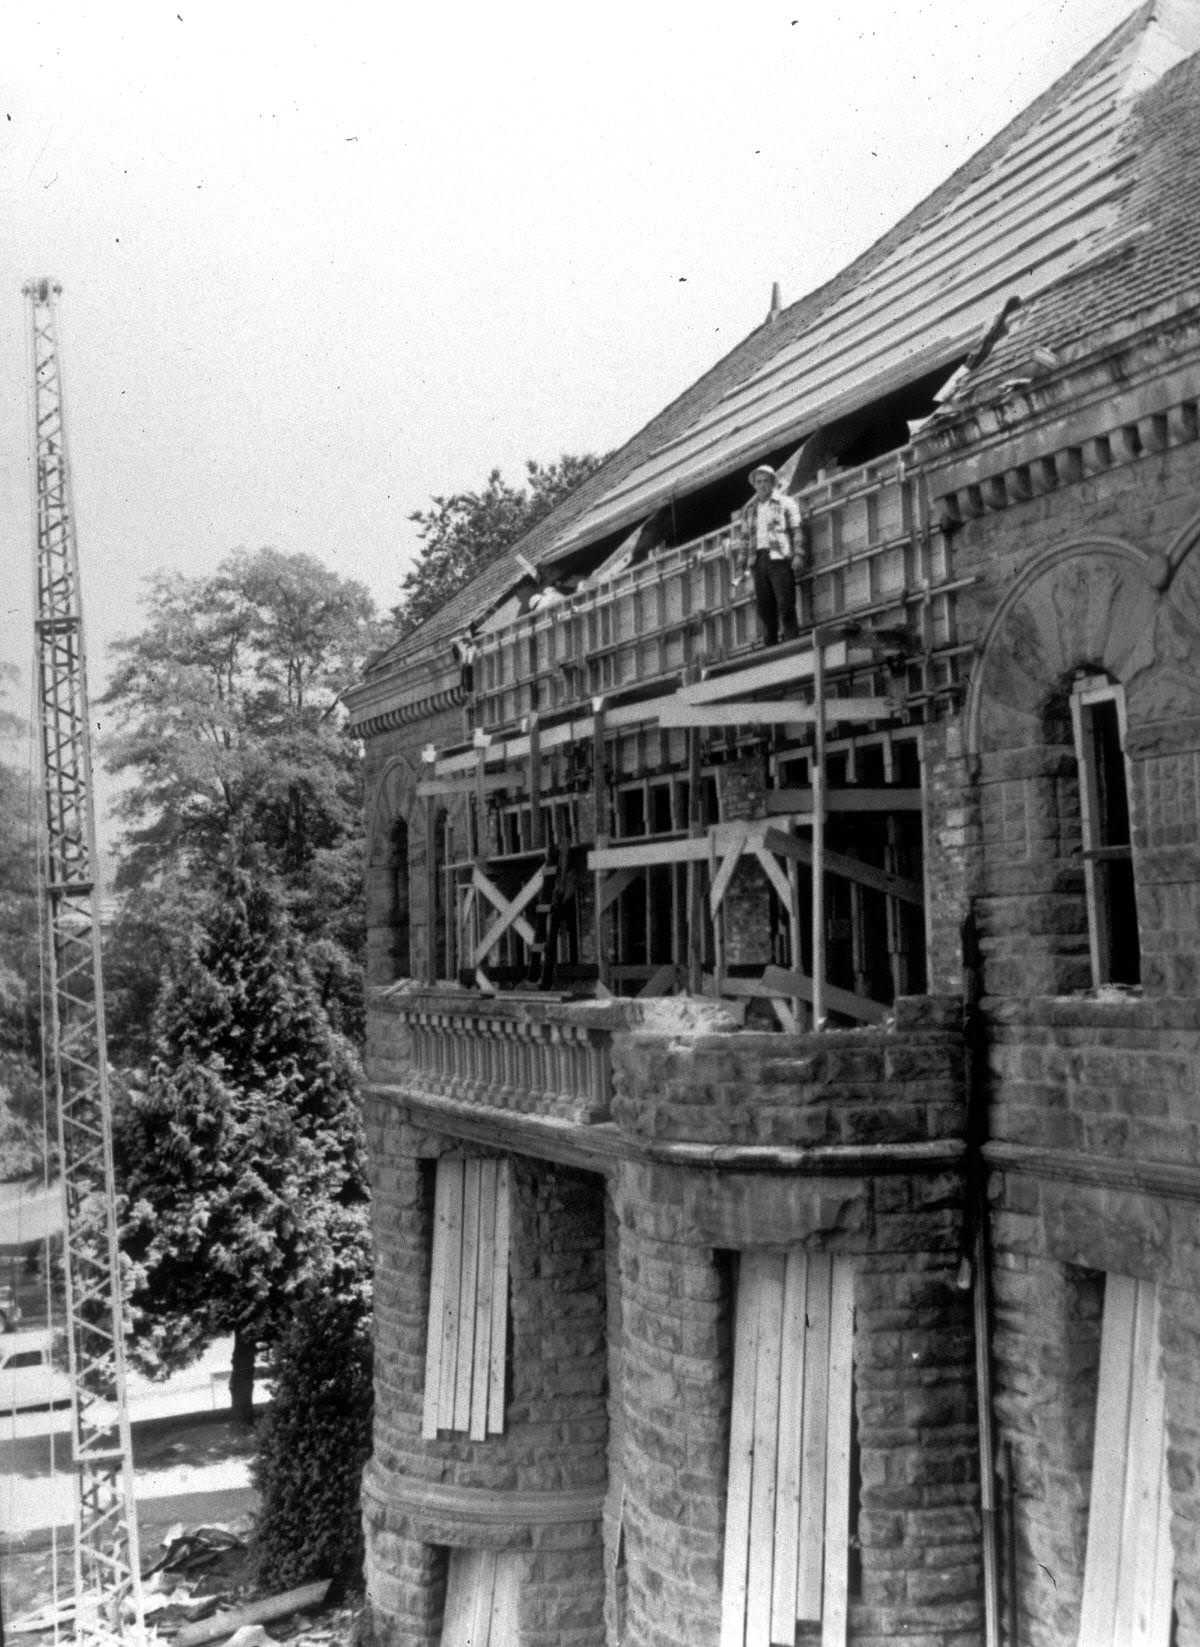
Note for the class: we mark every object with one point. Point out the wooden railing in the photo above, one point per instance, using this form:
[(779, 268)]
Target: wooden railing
[(533, 1061), (873, 556)]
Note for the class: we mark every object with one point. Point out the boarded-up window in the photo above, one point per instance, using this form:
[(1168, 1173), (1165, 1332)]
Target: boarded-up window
[(482, 1587), (468, 1299), (787, 1518), (1128, 1577)]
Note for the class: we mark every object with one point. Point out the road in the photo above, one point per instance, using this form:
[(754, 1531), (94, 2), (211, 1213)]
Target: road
[(191, 1465)]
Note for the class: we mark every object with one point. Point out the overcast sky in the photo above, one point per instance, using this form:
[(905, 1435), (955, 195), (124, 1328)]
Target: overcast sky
[(321, 262)]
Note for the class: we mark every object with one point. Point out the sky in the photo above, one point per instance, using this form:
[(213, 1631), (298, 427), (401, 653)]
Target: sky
[(323, 262)]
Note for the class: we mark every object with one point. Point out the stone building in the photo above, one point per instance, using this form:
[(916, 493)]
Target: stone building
[(785, 1063)]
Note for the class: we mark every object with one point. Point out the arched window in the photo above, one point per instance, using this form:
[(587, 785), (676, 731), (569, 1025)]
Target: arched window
[(400, 907)]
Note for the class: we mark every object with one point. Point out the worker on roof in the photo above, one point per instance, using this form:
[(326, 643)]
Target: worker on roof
[(769, 548)]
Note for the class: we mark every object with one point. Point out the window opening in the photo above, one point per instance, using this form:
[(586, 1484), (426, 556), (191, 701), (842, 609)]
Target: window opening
[(1098, 718)]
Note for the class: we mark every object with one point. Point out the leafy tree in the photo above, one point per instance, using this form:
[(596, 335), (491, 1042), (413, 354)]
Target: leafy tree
[(464, 532), (21, 1141), (227, 706), (240, 1155)]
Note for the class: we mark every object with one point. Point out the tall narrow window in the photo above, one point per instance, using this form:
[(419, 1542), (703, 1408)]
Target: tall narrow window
[(1098, 715), (787, 1514), (1128, 1578)]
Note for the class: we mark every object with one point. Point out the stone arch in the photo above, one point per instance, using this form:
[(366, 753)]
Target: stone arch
[(389, 907), (1091, 604)]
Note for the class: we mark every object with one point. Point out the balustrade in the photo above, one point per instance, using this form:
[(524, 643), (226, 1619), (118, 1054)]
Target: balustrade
[(531, 1062)]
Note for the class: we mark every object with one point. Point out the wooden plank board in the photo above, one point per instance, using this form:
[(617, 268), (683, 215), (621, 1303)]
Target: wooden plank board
[(437, 1295), (483, 1597), (810, 1559), (638, 854), (509, 779), (722, 876), (466, 1295), (779, 981), (450, 1191), (774, 714), (846, 800), (1105, 1514), (611, 889), (499, 1345), (847, 869), (835, 1607), (1140, 1538), (458, 1614), (481, 884), (741, 1456), (775, 875), (755, 677), (769, 1270), (788, 1485), (506, 1590), (488, 1170), (510, 915)]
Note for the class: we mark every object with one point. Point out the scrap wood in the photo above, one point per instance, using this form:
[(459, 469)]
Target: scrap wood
[(256, 1612), (49, 1617)]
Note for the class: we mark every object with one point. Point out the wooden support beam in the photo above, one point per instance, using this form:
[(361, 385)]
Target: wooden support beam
[(536, 838), (756, 677), (729, 856), (816, 767), (611, 888), (509, 910), (848, 869), (846, 800), (676, 849), (682, 713), (508, 779), (778, 981)]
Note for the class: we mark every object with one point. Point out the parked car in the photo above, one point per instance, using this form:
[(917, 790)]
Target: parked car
[(29, 1376), (10, 1310)]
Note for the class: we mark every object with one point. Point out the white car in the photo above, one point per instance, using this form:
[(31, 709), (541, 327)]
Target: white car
[(28, 1374)]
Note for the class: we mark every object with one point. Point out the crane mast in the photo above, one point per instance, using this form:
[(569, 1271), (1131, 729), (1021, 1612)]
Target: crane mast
[(108, 1605)]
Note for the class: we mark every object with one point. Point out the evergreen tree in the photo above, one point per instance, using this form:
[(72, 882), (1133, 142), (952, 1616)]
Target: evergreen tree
[(240, 1156)]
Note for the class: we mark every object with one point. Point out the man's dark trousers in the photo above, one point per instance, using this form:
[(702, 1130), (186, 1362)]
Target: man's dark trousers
[(775, 598)]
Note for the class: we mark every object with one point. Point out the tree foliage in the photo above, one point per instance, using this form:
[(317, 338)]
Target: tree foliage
[(21, 1130), (312, 1445), (228, 722), (462, 533), (240, 1155)]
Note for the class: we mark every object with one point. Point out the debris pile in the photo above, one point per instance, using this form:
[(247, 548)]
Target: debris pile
[(199, 1591)]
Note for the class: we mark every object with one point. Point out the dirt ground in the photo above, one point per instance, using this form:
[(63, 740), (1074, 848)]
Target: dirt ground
[(169, 1458)]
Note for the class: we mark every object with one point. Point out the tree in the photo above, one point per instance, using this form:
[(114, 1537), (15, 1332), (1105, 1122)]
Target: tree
[(21, 1140), (462, 533), (227, 706), (240, 1156), (313, 1444)]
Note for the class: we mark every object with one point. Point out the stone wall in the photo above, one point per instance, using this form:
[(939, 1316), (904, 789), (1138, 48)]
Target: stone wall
[(901, 1083), (538, 1488)]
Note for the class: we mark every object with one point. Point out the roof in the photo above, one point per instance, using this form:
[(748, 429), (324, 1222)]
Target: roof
[(1028, 216)]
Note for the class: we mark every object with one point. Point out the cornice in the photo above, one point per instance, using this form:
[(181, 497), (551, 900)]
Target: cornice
[(1175, 1180)]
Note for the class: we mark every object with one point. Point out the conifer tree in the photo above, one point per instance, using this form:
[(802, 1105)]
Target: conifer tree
[(240, 1156)]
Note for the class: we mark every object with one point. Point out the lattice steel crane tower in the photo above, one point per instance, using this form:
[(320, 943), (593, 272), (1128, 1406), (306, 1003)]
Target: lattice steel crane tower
[(108, 1606)]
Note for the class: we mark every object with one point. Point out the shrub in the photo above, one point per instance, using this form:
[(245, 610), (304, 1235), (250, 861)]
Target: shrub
[(313, 1442)]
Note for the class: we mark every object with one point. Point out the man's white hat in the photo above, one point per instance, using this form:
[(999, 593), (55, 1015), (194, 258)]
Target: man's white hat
[(763, 469)]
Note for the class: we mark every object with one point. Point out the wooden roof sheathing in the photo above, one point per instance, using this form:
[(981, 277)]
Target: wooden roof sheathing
[(1026, 217), (1039, 208)]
